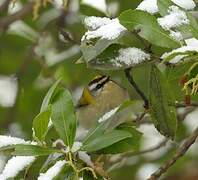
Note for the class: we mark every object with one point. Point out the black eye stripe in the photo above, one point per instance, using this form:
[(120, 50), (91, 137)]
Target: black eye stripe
[(100, 85), (96, 80)]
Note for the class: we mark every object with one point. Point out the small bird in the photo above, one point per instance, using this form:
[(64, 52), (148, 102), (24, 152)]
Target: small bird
[(100, 96)]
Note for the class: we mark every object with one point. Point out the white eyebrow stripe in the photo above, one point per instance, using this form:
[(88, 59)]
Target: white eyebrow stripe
[(101, 81)]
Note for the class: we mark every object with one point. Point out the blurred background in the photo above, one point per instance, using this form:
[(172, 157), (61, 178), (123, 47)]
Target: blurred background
[(34, 53)]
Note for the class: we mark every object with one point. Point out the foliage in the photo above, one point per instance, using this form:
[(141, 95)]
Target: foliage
[(59, 47)]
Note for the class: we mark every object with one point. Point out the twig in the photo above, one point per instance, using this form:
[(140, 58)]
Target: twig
[(147, 46), (181, 104), (180, 152), (6, 21), (154, 148), (135, 86)]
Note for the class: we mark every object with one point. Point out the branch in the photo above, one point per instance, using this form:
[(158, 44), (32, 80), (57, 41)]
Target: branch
[(181, 104), (6, 21), (154, 148), (180, 152), (135, 86), (147, 46)]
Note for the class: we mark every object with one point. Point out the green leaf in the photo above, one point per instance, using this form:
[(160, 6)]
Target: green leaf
[(193, 26), (129, 144), (184, 54), (105, 140), (40, 124), (99, 128), (163, 116), (163, 6), (63, 116), (32, 150), (48, 96), (149, 28), (91, 51)]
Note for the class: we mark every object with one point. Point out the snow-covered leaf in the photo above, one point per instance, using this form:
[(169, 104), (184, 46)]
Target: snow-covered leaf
[(149, 6), (119, 57), (102, 32), (53, 171), (15, 165), (148, 26), (106, 122), (8, 141)]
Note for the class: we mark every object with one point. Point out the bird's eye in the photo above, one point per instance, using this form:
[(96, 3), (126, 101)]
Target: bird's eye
[(99, 86)]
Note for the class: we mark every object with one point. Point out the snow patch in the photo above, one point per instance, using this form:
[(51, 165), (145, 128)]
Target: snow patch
[(188, 48), (107, 29), (149, 6), (76, 146), (94, 22), (130, 56), (174, 19), (15, 165), (53, 171), (8, 140), (107, 115), (8, 91), (186, 4)]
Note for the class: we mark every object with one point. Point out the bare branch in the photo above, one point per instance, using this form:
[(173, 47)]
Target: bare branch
[(181, 104), (135, 86), (6, 21), (154, 148), (180, 152)]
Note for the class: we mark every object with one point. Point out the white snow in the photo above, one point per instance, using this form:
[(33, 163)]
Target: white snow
[(93, 22), (130, 56), (176, 35), (192, 42), (97, 4), (3, 159), (146, 170), (110, 31), (22, 29), (76, 146), (85, 158), (186, 4), (8, 140), (14, 7), (191, 45), (107, 115), (149, 6), (8, 91), (15, 165), (80, 133), (175, 18), (53, 171)]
